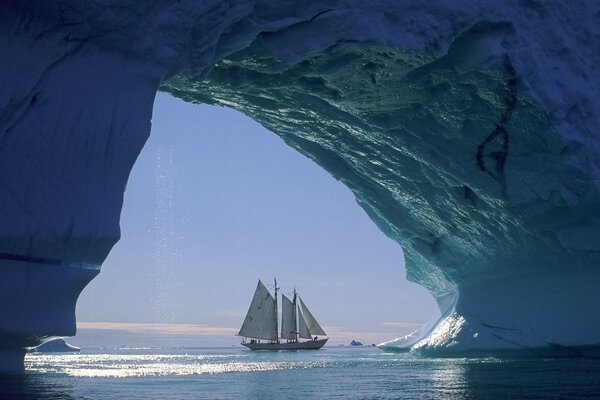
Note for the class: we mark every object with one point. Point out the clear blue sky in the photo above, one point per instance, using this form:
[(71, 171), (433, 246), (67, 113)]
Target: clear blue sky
[(214, 202)]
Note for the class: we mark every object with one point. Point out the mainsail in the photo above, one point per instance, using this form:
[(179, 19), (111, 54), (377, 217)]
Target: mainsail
[(261, 320), (288, 319), (308, 324)]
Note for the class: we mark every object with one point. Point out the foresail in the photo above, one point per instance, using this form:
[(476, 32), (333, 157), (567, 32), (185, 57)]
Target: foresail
[(261, 319), (288, 319), (303, 331), (311, 323)]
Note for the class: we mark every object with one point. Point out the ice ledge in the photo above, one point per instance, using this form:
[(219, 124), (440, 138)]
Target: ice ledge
[(48, 261), (38, 302), (554, 314)]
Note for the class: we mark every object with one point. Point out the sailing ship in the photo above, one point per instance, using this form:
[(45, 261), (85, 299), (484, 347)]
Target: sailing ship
[(260, 328)]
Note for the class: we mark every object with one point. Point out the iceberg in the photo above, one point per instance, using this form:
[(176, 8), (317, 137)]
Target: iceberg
[(55, 346), (467, 131)]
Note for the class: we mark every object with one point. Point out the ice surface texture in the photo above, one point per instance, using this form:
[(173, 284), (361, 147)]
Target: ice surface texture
[(467, 131)]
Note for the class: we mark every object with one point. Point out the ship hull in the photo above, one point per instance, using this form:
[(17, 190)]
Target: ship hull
[(308, 345)]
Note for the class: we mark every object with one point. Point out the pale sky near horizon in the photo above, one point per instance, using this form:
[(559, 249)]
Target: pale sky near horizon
[(214, 202)]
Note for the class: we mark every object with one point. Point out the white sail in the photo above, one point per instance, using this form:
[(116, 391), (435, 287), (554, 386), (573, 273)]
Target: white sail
[(261, 320), (303, 331), (288, 319), (312, 325)]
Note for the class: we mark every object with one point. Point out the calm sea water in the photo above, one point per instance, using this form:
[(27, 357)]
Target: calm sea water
[(331, 373)]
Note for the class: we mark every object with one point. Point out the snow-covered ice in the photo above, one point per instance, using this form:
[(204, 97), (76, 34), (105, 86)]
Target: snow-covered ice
[(468, 132)]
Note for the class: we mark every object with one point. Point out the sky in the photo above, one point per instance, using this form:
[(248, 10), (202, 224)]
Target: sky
[(215, 202)]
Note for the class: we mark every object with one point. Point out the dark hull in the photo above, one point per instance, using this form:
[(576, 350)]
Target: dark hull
[(309, 345)]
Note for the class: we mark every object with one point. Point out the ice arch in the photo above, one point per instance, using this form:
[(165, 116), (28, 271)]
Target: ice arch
[(468, 132)]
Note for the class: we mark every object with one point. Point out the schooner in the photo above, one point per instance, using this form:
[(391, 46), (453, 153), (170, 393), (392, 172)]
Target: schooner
[(297, 322)]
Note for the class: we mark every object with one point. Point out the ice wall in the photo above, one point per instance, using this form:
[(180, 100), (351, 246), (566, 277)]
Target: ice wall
[(72, 120), (467, 131)]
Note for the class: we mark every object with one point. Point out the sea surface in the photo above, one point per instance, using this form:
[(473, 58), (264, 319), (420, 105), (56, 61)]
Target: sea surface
[(330, 373)]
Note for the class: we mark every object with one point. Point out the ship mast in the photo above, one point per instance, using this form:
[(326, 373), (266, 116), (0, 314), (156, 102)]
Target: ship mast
[(295, 314), (276, 326)]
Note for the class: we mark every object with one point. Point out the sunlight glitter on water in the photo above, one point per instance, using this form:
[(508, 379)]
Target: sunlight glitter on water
[(122, 366), (348, 373)]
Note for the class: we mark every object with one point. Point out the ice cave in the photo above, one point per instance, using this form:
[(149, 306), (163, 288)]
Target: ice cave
[(467, 130)]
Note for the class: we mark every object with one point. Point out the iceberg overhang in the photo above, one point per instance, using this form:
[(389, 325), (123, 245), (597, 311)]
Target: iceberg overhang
[(468, 132)]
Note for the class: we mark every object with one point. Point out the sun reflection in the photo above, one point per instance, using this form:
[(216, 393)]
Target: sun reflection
[(128, 365)]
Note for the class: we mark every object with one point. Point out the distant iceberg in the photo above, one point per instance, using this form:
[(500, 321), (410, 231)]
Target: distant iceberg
[(55, 346), (467, 131)]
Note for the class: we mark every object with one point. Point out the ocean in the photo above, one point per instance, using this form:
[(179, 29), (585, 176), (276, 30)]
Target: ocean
[(330, 373)]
